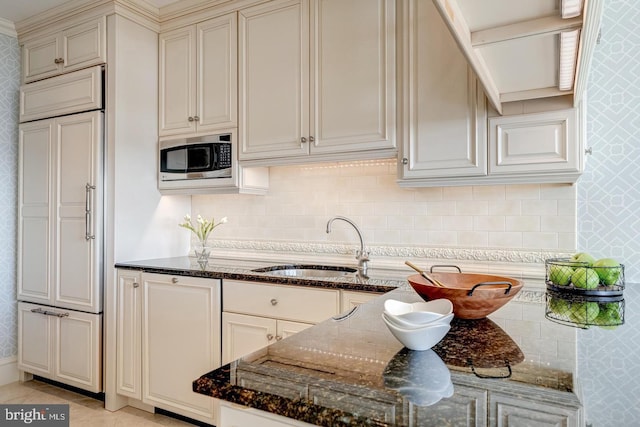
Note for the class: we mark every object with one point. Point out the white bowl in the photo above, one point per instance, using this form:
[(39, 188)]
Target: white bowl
[(417, 319), (419, 339), (441, 306)]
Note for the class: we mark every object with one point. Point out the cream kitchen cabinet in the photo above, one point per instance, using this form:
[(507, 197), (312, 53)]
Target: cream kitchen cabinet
[(258, 314), (168, 334), (245, 334), (62, 345), (352, 299), (60, 204), (198, 77), (538, 146), (316, 81), (77, 46), (443, 114)]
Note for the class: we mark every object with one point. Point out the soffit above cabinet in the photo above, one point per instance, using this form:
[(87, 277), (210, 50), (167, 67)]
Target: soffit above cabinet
[(523, 49)]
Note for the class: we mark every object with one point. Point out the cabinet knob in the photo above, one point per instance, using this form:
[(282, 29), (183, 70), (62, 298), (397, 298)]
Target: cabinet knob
[(136, 284), (405, 161), (174, 280), (58, 61), (588, 150), (269, 337), (278, 337), (274, 301), (190, 119), (303, 140), (311, 139), (196, 118)]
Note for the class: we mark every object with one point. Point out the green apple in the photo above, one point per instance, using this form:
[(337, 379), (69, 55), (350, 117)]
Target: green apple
[(609, 316), (560, 274), (559, 306), (584, 313), (583, 258), (608, 270), (585, 278)]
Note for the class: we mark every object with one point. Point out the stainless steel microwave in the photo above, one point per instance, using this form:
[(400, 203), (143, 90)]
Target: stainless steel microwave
[(199, 158)]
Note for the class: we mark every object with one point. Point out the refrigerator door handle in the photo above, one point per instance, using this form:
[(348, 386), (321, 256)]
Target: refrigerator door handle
[(88, 220)]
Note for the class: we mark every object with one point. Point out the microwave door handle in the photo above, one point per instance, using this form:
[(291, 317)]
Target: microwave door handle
[(88, 219)]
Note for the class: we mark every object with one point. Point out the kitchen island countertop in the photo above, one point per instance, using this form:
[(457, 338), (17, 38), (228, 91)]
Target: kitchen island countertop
[(350, 371)]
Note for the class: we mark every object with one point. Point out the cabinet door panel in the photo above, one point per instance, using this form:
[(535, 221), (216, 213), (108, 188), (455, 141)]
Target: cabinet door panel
[(217, 73), (243, 334), (274, 79), (128, 335), (177, 75), (533, 143), (354, 69), (443, 130), (38, 58), (84, 45), (180, 336), (79, 237), (286, 329), (35, 340), (79, 349), (34, 235)]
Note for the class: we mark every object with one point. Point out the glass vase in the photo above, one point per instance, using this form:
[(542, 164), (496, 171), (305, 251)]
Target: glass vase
[(202, 251)]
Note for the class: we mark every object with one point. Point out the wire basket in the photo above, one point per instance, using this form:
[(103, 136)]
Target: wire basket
[(585, 311), (565, 275)]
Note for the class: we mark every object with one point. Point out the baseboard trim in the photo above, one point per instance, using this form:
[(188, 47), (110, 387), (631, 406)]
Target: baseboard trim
[(8, 370)]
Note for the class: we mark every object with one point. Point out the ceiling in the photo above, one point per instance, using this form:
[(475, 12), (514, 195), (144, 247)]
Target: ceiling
[(17, 10)]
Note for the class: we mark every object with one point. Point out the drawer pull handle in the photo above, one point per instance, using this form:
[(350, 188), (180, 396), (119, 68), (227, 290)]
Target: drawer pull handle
[(269, 337), (274, 301)]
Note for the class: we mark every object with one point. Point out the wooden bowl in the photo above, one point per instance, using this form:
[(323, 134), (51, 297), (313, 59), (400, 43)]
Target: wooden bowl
[(474, 296)]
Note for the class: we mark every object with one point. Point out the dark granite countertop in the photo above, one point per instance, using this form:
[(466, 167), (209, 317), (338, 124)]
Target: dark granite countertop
[(220, 268), (350, 371)]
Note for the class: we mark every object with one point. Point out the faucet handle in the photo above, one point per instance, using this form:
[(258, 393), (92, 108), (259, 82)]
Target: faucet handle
[(362, 255)]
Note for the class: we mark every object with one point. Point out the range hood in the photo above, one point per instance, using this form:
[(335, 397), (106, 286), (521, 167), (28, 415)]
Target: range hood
[(523, 49)]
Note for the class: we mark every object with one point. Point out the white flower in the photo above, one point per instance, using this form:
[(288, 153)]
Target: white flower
[(204, 227)]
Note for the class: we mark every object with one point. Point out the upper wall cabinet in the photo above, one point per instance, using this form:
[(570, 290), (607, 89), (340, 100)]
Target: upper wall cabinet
[(443, 117), (198, 77), (316, 81), (526, 49), (75, 47)]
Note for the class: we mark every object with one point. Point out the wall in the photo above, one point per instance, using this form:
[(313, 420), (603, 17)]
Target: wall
[(517, 224), (9, 86), (608, 208)]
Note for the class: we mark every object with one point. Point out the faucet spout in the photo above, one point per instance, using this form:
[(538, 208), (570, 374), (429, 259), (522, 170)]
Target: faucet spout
[(361, 255)]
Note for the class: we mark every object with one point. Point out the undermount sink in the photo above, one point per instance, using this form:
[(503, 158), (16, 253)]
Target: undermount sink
[(297, 270)]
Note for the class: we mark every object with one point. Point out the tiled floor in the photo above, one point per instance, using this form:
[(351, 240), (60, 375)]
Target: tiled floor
[(84, 411)]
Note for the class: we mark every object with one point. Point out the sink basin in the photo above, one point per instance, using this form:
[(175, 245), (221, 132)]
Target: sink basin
[(298, 270)]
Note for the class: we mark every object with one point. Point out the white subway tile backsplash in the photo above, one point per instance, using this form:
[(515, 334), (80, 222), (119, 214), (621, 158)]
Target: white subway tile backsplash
[(302, 198)]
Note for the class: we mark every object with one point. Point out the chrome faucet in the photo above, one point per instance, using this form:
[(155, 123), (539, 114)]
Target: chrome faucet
[(361, 255)]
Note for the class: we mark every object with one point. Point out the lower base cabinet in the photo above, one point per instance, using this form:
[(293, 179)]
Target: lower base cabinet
[(61, 345), (258, 314), (168, 334), (245, 334)]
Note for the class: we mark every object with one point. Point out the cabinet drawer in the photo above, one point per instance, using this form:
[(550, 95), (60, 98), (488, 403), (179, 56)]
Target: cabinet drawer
[(282, 302), (70, 93)]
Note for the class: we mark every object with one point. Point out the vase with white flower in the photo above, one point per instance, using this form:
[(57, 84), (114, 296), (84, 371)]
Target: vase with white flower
[(202, 229)]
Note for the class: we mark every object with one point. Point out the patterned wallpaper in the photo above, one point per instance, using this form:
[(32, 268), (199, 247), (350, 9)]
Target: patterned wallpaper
[(9, 85), (609, 214)]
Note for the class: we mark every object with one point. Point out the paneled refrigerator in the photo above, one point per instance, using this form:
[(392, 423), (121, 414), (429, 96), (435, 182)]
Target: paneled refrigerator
[(61, 232)]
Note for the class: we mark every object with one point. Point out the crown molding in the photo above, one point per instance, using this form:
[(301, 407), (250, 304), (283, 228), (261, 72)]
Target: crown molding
[(8, 28), (138, 10)]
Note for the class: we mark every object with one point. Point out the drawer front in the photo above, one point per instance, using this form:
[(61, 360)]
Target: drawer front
[(301, 304), (66, 94)]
